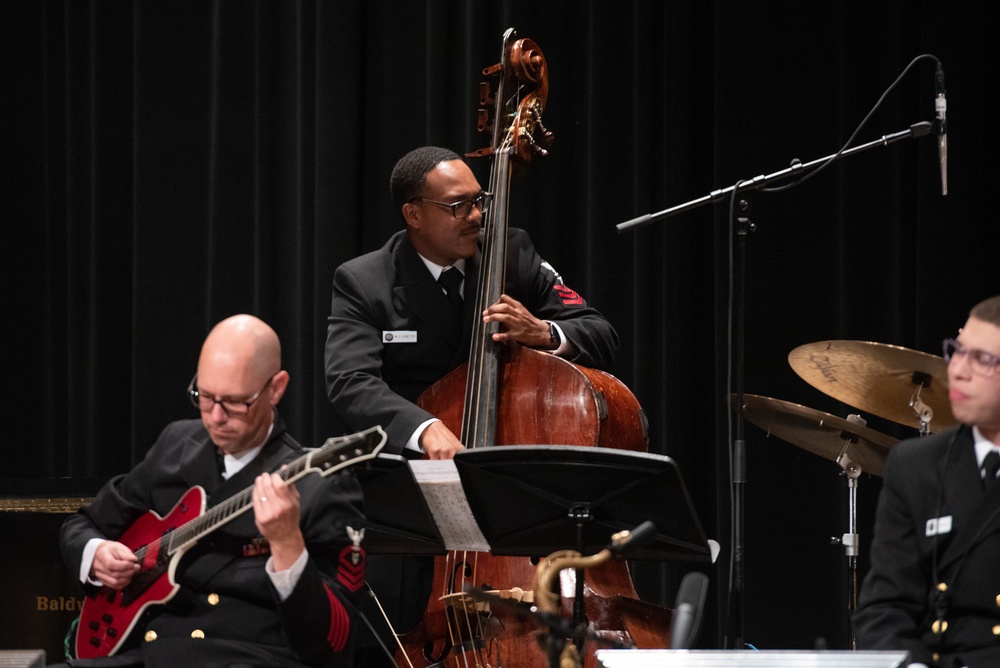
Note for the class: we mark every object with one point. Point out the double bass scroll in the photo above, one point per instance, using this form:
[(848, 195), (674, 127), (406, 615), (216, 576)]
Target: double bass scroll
[(513, 113)]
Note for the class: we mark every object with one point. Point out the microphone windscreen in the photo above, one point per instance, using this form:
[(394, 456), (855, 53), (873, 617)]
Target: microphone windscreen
[(687, 612)]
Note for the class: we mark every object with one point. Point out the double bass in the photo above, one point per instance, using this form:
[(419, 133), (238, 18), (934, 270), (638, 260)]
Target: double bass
[(508, 394)]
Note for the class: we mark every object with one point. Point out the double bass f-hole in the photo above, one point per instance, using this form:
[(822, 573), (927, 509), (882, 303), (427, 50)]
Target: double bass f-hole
[(463, 622)]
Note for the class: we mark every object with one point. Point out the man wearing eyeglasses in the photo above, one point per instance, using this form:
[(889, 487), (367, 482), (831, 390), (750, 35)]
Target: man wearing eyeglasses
[(277, 586), (934, 583), (397, 325)]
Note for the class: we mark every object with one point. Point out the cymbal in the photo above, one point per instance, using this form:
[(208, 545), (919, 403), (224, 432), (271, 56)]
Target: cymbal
[(819, 433), (877, 378)]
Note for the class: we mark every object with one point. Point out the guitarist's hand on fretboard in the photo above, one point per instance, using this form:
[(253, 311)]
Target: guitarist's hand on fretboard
[(114, 564), (276, 513)]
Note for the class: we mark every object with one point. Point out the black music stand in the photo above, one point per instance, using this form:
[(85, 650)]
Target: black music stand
[(399, 520), (531, 500)]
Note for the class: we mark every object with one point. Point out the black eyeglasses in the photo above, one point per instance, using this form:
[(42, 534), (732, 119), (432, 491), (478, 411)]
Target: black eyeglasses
[(463, 208), (232, 407), (982, 362)]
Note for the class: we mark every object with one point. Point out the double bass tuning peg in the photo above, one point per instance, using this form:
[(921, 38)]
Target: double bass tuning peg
[(538, 146), (485, 96), (531, 133), (483, 120)]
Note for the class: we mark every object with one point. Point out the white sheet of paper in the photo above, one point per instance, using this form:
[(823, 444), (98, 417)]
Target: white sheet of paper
[(442, 488)]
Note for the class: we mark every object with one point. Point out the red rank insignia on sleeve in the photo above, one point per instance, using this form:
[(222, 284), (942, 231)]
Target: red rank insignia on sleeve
[(567, 296)]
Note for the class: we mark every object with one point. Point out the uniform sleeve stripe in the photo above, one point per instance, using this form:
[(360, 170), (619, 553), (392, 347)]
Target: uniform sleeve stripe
[(340, 623)]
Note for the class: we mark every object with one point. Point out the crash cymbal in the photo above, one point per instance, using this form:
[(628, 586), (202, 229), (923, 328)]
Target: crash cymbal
[(818, 432), (878, 378)]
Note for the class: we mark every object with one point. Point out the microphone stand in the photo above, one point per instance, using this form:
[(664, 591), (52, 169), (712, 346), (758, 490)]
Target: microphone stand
[(734, 622)]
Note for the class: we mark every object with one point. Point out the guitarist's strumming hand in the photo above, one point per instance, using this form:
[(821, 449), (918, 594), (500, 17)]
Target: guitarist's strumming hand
[(114, 564), (276, 513)]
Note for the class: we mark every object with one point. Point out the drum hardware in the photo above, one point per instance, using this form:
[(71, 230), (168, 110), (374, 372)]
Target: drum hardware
[(922, 411), (851, 540), (848, 442)]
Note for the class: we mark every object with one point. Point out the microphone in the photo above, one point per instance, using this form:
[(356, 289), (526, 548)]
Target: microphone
[(941, 126), (687, 614), (624, 543)]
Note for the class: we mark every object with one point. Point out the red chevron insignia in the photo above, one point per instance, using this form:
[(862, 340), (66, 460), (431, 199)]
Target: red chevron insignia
[(567, 296), (351, 571)]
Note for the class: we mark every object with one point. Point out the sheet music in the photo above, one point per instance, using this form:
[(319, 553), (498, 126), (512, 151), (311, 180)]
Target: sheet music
[(442, 488)]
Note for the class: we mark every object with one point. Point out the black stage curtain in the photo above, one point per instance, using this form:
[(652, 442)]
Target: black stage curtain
[(167, 164)]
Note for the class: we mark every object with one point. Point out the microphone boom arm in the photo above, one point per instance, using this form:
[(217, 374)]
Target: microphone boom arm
[(759, 182)]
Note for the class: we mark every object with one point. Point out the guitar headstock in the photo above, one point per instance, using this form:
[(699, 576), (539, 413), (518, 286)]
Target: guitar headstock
[(343, 451)]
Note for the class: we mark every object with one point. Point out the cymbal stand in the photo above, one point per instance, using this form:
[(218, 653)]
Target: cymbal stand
[(922, 411), (850, 540)]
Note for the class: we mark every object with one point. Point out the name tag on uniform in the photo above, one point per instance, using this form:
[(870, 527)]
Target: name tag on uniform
[(400, 336), (938, 526)]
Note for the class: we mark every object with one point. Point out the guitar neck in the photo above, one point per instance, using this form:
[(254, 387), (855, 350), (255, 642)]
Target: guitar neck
[(333, 455), (187, 534)]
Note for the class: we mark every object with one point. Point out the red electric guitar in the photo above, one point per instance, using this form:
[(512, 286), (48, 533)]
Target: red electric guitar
[(109, 615)]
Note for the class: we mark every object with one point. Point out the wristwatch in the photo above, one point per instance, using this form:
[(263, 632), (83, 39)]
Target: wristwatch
[(554, 340)]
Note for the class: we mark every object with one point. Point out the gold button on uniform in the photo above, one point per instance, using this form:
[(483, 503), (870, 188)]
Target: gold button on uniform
[(996, 630), (213, 599), (198, 634), (150, 636), (998, 599), (939, 627)]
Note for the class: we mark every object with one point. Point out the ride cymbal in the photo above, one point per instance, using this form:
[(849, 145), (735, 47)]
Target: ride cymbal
[(820, 433), (878, 378)]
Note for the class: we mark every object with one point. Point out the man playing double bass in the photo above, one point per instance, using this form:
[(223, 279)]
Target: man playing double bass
[(397, 325)]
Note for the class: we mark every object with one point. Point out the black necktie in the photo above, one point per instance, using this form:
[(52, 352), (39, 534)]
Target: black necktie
[(451, 280), (991, 464), (220, 461)]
